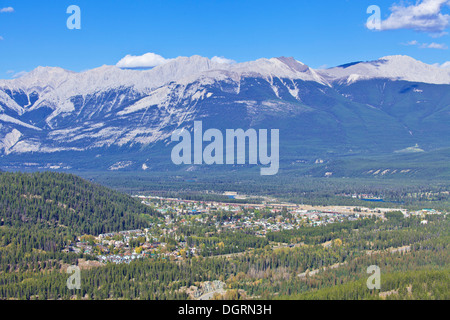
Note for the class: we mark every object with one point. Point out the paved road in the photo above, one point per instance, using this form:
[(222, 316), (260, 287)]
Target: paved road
[(210, 295)]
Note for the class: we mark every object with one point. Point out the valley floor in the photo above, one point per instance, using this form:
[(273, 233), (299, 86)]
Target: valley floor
[(238, 247)]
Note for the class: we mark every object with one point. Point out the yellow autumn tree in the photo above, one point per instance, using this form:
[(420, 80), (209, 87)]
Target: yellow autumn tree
[(138, 250), (337, 242)]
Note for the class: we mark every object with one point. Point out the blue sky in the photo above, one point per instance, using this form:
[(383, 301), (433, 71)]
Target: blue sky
[(318, 33)]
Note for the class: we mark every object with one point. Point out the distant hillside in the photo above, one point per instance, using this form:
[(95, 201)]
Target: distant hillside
[(68, 202), (408, 164)]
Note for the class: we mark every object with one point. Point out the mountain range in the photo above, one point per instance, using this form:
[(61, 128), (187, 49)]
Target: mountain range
[(110, 118)]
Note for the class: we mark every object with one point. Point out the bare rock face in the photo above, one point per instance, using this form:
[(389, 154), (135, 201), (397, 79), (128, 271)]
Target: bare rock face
[(110, 118)]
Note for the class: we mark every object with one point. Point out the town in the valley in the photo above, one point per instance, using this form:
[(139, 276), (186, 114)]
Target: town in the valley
[(167, 235)]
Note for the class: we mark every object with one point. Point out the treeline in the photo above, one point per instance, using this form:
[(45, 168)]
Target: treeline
[(314, 235), (268, 273), (41, 213), (402, 277), (66, 200), (290, 186), (33, 248), (226, 242)]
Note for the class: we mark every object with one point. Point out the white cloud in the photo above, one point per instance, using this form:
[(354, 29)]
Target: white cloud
[(425, 16), (222, 60), (7, 10), (1, 38), (432, 45), (148, 60), (412, 43), (445, 65), (438, 35), (19, 74)]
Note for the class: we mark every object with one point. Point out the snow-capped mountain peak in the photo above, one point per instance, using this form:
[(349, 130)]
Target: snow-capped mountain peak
[(396, 67), (39, 79), (52, 110)]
